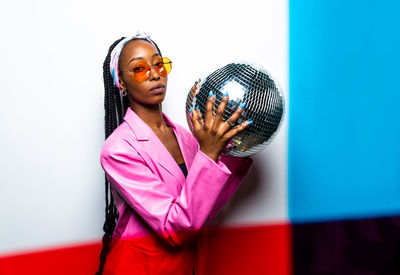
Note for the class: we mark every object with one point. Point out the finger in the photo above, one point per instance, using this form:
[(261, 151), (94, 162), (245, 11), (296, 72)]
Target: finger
[(195, 87), (234, 117), (208, 121), (220, 111), (237, 129), (199, 116), (196, 124)]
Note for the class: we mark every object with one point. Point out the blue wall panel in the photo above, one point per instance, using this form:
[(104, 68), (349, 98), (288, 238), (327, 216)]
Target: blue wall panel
[(344, 121)]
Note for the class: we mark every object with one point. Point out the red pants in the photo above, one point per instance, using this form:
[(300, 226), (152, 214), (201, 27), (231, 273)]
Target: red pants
[(150, 256)]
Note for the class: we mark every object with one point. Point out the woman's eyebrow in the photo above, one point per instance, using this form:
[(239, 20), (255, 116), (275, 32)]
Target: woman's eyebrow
[(141, 58)]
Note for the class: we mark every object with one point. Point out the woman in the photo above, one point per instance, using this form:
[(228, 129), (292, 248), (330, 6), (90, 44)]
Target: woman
[(165, 183)]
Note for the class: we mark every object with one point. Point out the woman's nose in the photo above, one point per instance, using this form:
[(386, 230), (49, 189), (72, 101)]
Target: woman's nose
[(153, 74)]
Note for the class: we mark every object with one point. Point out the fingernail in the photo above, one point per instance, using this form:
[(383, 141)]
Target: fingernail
[(197, 107), (210, 94), (243, 105), (191, 110), (249, 122), (226, 94)]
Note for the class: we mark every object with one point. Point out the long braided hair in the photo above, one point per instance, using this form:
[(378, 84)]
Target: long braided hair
[(115, 107)]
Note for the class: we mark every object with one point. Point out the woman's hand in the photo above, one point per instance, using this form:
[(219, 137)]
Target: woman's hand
[(212, 133)]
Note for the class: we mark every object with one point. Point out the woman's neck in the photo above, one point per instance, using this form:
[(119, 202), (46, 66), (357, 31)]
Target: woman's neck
[(151, 115)]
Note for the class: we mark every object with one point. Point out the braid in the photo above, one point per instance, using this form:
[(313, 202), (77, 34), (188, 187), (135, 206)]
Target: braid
[(112, 105), (115, 108)]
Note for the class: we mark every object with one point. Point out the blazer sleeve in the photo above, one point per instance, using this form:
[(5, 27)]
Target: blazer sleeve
[(239, 168), (174, 218)]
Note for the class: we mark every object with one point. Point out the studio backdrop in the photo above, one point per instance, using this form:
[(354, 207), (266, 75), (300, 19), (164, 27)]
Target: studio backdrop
[(327, 185)]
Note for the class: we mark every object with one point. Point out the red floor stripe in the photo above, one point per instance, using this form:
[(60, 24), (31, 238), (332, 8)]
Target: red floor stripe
[(253, 250), (77, 260), (235, 251)]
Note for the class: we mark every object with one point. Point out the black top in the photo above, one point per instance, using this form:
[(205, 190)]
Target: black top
[(183, 168)]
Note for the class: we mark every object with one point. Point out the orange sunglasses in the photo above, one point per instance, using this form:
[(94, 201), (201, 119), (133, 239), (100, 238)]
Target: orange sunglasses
[(141, 70)]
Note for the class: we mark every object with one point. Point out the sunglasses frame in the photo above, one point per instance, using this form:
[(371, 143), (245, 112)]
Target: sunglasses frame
[(147, 72)]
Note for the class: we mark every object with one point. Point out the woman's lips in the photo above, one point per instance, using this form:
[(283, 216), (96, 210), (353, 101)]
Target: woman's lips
[(157, 89)]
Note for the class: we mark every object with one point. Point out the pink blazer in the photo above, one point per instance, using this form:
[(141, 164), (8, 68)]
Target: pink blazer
[(150, 191)]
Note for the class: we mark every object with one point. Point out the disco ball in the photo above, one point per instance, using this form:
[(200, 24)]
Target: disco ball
[(244, 83)]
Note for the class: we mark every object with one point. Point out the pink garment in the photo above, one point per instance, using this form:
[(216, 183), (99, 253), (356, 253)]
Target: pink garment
[(150, 191)]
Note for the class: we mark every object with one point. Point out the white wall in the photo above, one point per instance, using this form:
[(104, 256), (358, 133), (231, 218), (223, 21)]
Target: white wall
[(52, 185)]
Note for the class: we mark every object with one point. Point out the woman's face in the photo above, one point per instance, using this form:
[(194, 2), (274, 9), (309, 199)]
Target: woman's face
[(148, 92)]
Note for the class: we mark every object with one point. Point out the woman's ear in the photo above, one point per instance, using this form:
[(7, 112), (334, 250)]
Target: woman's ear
[(121, 84)]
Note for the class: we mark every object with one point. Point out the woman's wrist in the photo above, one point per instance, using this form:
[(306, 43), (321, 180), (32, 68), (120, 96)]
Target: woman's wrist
[(212, 155)]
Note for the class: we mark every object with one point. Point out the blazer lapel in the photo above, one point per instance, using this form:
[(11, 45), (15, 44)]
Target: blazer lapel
[(152, 146), (185, 145)]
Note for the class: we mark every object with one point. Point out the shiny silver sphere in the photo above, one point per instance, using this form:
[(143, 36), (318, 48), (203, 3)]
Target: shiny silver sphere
[(244, 83)]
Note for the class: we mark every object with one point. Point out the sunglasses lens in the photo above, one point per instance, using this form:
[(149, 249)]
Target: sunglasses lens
[(141, 71), (167, 64), (163, 66)]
